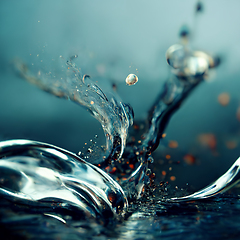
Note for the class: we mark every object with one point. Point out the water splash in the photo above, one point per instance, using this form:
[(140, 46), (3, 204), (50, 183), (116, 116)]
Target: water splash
[(114, 116), (72, 184), (48, 177), (221, 185), (125, 162)]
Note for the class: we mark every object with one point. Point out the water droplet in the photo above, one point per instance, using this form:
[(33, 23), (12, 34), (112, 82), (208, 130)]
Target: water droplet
[(184, 31), (176, 55), (131, 79), (150, 159), (199, 7), (90, 150), (196, 66), (148, 171)]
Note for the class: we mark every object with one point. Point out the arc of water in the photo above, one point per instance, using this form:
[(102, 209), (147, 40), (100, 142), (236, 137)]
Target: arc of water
[(221, 185)]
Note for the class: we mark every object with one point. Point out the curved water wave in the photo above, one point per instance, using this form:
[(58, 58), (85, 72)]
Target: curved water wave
[(221, 185), (43, 175)]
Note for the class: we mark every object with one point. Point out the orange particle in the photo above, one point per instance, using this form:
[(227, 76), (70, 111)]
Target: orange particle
[(224, 99), (231, 144), (208, 139), (172, 178), (189, 159), (168, 156), (113, 170), (135, 126), (111, 198), (164, 173), (173, 144), (164, 135), (107, 168), (92, 102), (152, 175), (131, 166)]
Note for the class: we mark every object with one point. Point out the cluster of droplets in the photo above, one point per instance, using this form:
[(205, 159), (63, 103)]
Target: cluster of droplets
[(188, 64)]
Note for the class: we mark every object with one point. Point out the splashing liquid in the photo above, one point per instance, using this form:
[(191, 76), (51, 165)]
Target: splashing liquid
[(43, 174), (114, 116)]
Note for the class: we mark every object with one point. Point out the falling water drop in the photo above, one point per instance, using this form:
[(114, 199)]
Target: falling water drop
[(131, 79)]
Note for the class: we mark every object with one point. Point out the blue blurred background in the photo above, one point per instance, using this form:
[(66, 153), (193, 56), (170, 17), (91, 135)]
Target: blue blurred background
[(113, 39)]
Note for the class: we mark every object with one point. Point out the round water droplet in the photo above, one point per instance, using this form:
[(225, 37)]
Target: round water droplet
[(213, 61), (131, 79), (199, 7), (196, 66), (148, 171), (184, 31), (150, 159), (176, 55)]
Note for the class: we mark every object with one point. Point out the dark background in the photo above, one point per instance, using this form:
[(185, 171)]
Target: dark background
[(112, 40)]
